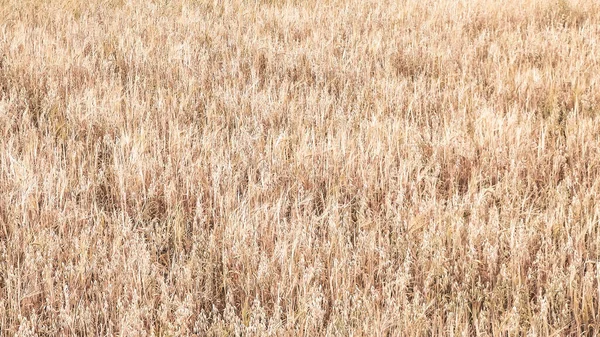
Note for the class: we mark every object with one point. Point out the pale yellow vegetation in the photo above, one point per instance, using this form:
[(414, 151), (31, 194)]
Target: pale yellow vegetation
[(305, 168)]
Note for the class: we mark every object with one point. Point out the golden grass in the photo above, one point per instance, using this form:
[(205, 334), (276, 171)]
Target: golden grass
[(380, 168)]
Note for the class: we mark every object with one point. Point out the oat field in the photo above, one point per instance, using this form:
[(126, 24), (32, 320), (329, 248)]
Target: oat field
[(299, 168)]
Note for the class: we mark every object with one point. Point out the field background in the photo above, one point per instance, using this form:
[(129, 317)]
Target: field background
[(380, 168)]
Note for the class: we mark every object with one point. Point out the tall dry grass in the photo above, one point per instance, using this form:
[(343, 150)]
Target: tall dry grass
[(381, 168)]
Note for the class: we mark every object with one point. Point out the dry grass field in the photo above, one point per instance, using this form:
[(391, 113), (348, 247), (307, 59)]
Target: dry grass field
[(299, 168)]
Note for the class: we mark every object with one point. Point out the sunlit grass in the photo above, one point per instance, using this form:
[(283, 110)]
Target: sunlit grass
[(299, 168)]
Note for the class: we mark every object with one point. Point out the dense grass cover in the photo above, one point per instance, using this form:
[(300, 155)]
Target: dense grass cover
[(381, 168)]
